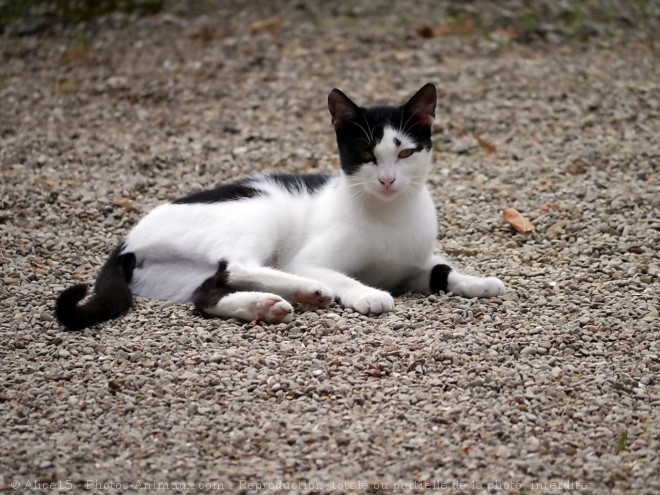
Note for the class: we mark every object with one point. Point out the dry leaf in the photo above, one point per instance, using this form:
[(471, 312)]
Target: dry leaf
[(38, 269), (553, 231), (444, 30), (452, 28), (517, 221), (73, 54), (390, 350), (123, 202), (114, 384), (467, 28), (507, 33), (274, 25), (425, 32), (488, 147)]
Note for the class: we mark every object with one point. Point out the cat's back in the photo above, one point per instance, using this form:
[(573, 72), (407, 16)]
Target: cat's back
[(268, 206), (244, 194)]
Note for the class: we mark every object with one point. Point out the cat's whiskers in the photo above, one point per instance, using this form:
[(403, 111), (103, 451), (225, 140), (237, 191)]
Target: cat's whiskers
[(409, 192), (413, 187), (371, 134), (361, 189), (369, 137), (360, 195), (404, 129)]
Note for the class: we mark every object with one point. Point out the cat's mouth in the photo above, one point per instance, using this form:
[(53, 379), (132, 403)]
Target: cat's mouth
[(388, 192)]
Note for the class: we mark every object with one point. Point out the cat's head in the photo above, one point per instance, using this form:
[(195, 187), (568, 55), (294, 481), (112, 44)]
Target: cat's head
[(384, 151)]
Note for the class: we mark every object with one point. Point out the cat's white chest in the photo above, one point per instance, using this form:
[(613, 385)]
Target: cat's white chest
[(389, 257), (383, 250)]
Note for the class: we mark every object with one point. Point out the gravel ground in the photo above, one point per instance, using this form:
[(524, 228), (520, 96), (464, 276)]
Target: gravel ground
[(551, 388)]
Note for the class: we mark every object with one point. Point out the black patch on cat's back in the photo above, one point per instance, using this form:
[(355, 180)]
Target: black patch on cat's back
[(241, 189), (309, 183)]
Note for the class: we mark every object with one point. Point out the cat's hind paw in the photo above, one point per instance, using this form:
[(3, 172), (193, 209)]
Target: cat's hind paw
[(469, 286), (273, 310), (368, 301)]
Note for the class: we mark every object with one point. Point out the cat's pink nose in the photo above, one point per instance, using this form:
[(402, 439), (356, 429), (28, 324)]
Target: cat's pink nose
[(387, 181)]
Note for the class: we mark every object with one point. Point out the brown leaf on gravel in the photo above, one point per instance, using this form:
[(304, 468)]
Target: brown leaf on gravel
[(274, 25), (38, 269), (452, 28), (578, 167), (73, 54), (485, 435), (425, 32), (517, 221), (390, 350), (122, 202), (553, 231), (114, 384), (507, 33), (44, 182), (488, 147)]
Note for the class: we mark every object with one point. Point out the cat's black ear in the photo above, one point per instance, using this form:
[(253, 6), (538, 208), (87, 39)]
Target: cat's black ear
[(422, 104), (342, 108)]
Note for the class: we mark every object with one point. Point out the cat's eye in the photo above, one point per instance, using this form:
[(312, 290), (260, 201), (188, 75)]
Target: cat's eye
[(406, 153), (367, 156)]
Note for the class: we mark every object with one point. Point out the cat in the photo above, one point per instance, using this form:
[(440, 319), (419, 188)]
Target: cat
[(252, 248)]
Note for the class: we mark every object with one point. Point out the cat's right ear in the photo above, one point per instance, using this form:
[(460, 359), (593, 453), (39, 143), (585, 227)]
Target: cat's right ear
[(342, 109), (422, 104)]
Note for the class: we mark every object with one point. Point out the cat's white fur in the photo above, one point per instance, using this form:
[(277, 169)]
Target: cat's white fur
[(374, 228)]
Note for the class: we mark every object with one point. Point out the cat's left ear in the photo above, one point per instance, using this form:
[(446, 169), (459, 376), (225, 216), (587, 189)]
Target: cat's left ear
[(422, 104), (342, 108)]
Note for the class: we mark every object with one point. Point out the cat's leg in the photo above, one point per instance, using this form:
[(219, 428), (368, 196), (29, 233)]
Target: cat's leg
[(251, 306), (438, 275), (351, 293), (216, 297), (294, 288)]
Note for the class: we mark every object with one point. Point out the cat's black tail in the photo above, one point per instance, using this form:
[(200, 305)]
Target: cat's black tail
[(112, 294)]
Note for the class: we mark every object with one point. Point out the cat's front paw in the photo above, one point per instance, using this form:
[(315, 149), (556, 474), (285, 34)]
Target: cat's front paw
[(469, 286), (368, 301), (315, 294)]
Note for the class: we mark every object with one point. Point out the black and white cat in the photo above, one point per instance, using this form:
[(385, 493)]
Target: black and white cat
[(250, 249)]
